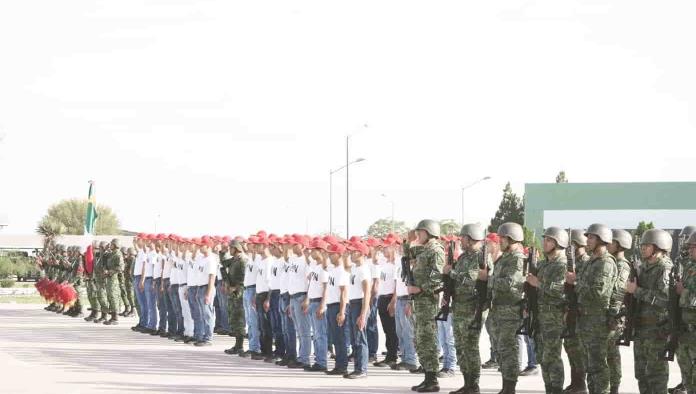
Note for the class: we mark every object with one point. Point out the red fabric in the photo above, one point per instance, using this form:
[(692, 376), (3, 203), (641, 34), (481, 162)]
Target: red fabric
[(89, 260)]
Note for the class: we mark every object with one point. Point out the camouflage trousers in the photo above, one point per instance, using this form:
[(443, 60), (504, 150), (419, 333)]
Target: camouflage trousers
[(466, 341), (126, 289), (686, 356), (91, 285), (651, 372), (548, 345), (574, 350), (235, 308), (594, 336), (506, 321), (614, 358), (113, 293), (425, 308)]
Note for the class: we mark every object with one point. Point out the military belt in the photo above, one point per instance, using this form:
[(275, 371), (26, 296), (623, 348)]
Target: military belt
[(298, 295)]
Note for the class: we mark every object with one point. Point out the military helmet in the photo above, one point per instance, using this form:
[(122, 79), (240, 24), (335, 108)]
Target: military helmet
[(692, 239), (511, 230), (578, 236), (102, 245), (429, 226), (557, 234), (116, 242), (687, 231), (601, 231), (236, 244), (623, 238), (475, 231), (660, 238)]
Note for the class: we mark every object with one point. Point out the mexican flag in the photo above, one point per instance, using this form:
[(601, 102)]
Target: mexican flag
[(90, 219)]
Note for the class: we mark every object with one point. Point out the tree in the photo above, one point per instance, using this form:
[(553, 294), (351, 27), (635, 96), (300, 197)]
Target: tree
[(449, 227), (561, 177), (68, 217), (382, 227), (510, 209)]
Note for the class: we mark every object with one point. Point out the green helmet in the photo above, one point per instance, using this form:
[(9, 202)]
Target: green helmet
[(429, 226), (601, 231), (102, 245), (660, 238), (511, 230), (692, 239), (623, 238), (475, 231), (557, 234), (578, 236), (116, 243), (687, 231), (236, 244)]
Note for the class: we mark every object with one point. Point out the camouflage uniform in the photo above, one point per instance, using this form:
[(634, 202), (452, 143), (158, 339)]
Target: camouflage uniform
[(427, 275), (573, 346), (115, 265), (686, 352), (594, 289), (617, 326), (551, 301), (235, 267), (125, 280), (77, 280), (100, 280), (464, 304), (505, 288), (651, 334)]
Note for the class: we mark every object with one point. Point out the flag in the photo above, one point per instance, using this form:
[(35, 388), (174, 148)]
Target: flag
[(90, 219)]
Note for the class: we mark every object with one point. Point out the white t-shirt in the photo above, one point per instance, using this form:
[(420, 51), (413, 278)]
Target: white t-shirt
[(167, 269), (357, 276), (174, 275), (336, 278), (374, 268), (250, 273), (317, 278), (276, 271), (140, 259), (190, 270), (284, 276), (206, 266), (297, 281), (401, 288), (158, 267), (263, 274), (386, 278), (150, 263), (183, 269)]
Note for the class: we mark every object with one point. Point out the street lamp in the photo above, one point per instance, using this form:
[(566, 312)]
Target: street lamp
[(392, 211), (485, 178), (358, 160)]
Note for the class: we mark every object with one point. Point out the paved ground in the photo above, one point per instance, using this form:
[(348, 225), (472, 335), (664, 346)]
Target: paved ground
[(43, 352)]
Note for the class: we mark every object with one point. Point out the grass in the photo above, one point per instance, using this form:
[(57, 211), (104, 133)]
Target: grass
[(18, 299)]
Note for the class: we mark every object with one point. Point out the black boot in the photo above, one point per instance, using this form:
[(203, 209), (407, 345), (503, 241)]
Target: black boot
[(464, 389), (577, 383), (113, 321), (101, 319), (509, 387), (431, 384), (92, 316), (473, 384)]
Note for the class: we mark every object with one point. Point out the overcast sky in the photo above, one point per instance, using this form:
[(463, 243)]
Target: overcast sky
[(225, 117)]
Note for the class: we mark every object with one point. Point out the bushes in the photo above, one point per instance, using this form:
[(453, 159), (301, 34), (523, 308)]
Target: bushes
[(6, 267), (5, 283)]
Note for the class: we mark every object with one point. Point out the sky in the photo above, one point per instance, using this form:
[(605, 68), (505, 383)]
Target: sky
[(226, 117)]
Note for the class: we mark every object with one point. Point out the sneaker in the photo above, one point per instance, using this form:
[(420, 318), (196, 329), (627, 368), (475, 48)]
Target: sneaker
[(490, 364), (338, 371), (384, 363), (445, 373), (529, 371), (282, 363), (245, 354), (189, 339), (203, 343), (372, 359), (231, 351), (355, 375), (402, 366), (295, 365), (316, 368), (257, 356)]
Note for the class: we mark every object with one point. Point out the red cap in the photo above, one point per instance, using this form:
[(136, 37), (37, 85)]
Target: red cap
[(319, 244), (360, 247), (389, 241), (337, 248), (493, 237), (373, 242), (253, 239), (261, 234), (355, 238), (141, 235), (226, 239)]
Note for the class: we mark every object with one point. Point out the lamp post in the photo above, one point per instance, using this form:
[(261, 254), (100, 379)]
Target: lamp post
[(485, 178), (331, 172), (392, 211)]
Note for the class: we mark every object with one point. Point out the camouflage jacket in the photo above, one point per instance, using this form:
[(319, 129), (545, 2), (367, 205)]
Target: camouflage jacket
[(114, 262), (235, 267), (427, 271), (623, 268), (506, 285), (687, 299), (596, 284), (653, 292), (464, 275), (128, 265), (551, 274)]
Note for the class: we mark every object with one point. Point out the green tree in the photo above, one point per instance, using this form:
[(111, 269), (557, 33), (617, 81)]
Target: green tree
[(449, 227), (511, 209), (382, 227), (68, 217), (561, 177)]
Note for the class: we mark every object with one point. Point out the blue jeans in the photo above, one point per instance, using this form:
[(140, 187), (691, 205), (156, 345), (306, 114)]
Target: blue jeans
[(176, 319), (531, 353), (221, 313), (251, 319), (371, 328), (161, 305), (445, 335), (207, 315), (276, 324), (360, 348), (151, 302), (404, 330), (303, 327), (195, 312), (140, 299), (321, 346), (289, 334), (339, 334)]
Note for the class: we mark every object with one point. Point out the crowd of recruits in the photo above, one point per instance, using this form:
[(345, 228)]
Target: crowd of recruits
[(298, 287)]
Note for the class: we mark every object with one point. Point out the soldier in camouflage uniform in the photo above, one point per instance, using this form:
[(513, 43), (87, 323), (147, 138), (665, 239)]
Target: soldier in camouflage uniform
[(235, 267), (686, 352), (683, 259), (551, 303), (91, 286), (573, 346), (621, 242), (505, 291), (76, 280), (464, 276), (114, 266), (429, 259), (100, 282), (125, 281), (594, 287), (652, 294)]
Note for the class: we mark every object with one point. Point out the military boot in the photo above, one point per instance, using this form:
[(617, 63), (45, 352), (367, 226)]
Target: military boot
[(464, 389), (125, 312), (101, 319), (92, 315), (613, 390), (60, 309), (70, 311), (508, 387), (473, 384), (113, 321), (430, 385), (577, 383)]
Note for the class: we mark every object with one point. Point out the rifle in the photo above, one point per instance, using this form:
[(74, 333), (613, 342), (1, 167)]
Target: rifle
[(674, 310), (480, 290), (571, 296), (529, 303), (447, 286), (406, 273), (630, 309)]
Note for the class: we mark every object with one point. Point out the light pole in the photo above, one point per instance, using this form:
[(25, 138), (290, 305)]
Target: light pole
[(392, 211), (485, 178), (331, 172)]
